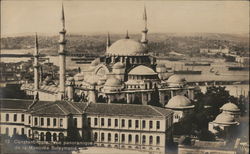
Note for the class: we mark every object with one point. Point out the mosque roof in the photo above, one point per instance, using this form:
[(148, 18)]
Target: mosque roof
[(230, 107), (113, 82), (176, 79), (126, 47), (142, 70), (179, 102), (225, 118), (118, 65)]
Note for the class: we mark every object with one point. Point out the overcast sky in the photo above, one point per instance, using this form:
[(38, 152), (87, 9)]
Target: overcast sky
[(85, 17)]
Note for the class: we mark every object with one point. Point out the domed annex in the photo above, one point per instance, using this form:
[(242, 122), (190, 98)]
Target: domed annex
[(225, 118), (118, 65), (113, 82), (126, 47), (230, 107), (179, 102)]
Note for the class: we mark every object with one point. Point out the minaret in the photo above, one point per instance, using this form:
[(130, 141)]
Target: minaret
[(144, 40), (108, 43), (62, 54), (127, 37), (36, 67)]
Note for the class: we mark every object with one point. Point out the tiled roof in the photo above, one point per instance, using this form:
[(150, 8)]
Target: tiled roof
[(56, 108), (15, 104), (123, 109), (46, 88)]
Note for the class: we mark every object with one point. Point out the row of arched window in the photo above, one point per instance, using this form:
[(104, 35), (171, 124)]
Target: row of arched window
[(7, 117)]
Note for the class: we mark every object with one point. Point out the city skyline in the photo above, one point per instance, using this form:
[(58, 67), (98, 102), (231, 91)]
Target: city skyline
[(87, 17)]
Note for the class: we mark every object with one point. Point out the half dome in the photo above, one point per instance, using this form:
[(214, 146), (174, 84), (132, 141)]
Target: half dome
[(126, 47), (176, 79), (142, 70), (179, 102)]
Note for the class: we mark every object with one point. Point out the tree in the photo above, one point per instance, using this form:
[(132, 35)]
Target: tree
[(155, 98), (206, 135)]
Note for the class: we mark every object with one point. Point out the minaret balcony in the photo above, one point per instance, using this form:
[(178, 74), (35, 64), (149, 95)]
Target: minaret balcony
[(62, 42), (63, 31)]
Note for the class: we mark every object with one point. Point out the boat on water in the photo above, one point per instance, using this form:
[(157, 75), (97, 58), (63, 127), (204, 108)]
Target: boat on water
[(187, 72), (83, 62), (211, 70), (217, 73), (197, 64), (83, 58), (238, 68)]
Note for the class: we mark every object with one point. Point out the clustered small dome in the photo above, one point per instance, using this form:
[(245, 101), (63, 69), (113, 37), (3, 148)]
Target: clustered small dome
[(126, 47), (179, 102), (225, 118), (230, 107), (118, 65), (113, 82), (142, 70)]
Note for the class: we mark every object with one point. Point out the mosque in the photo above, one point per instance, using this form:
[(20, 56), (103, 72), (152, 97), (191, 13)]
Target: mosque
[(125, 74)]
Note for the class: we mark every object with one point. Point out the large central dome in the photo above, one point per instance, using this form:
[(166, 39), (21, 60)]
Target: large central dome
[(126, 47)]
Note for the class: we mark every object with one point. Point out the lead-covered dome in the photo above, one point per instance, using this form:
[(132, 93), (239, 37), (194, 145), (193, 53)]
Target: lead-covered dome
[(176, 81), (113, 82), (142, 70), (225, 118), (179, 102), (230, 107), (126, 47)]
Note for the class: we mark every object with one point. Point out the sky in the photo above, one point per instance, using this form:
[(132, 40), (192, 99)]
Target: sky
[(87, 17)]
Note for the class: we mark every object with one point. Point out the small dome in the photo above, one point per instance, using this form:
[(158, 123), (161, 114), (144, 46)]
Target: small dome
[(79, 77), (179, 102), (70, 79), (113, 82), (91, 79), (118, 65), (126, 47), (95, 62), (225, 118), (230, 107), (142, 70), (160, 65), (176, 79)]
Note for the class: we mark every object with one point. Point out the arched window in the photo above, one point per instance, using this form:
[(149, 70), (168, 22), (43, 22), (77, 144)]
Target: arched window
[(15, 117), (143, 139), (102, 137), (61, 137), (158, 140), (150, 139), (129, 138), (48, 136), (95, 136), (22, 131), (14, 131), (136, 138), (54, 137), (109, 137), (42, 136), (7, 131), (116, 137), (123, 123), (123, 137)]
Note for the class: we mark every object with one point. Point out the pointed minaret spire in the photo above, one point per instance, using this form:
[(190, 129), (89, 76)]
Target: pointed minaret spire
[(62, 61), (127, 37), (144, 40), (36, 67), (63, 17), (108, 42)]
